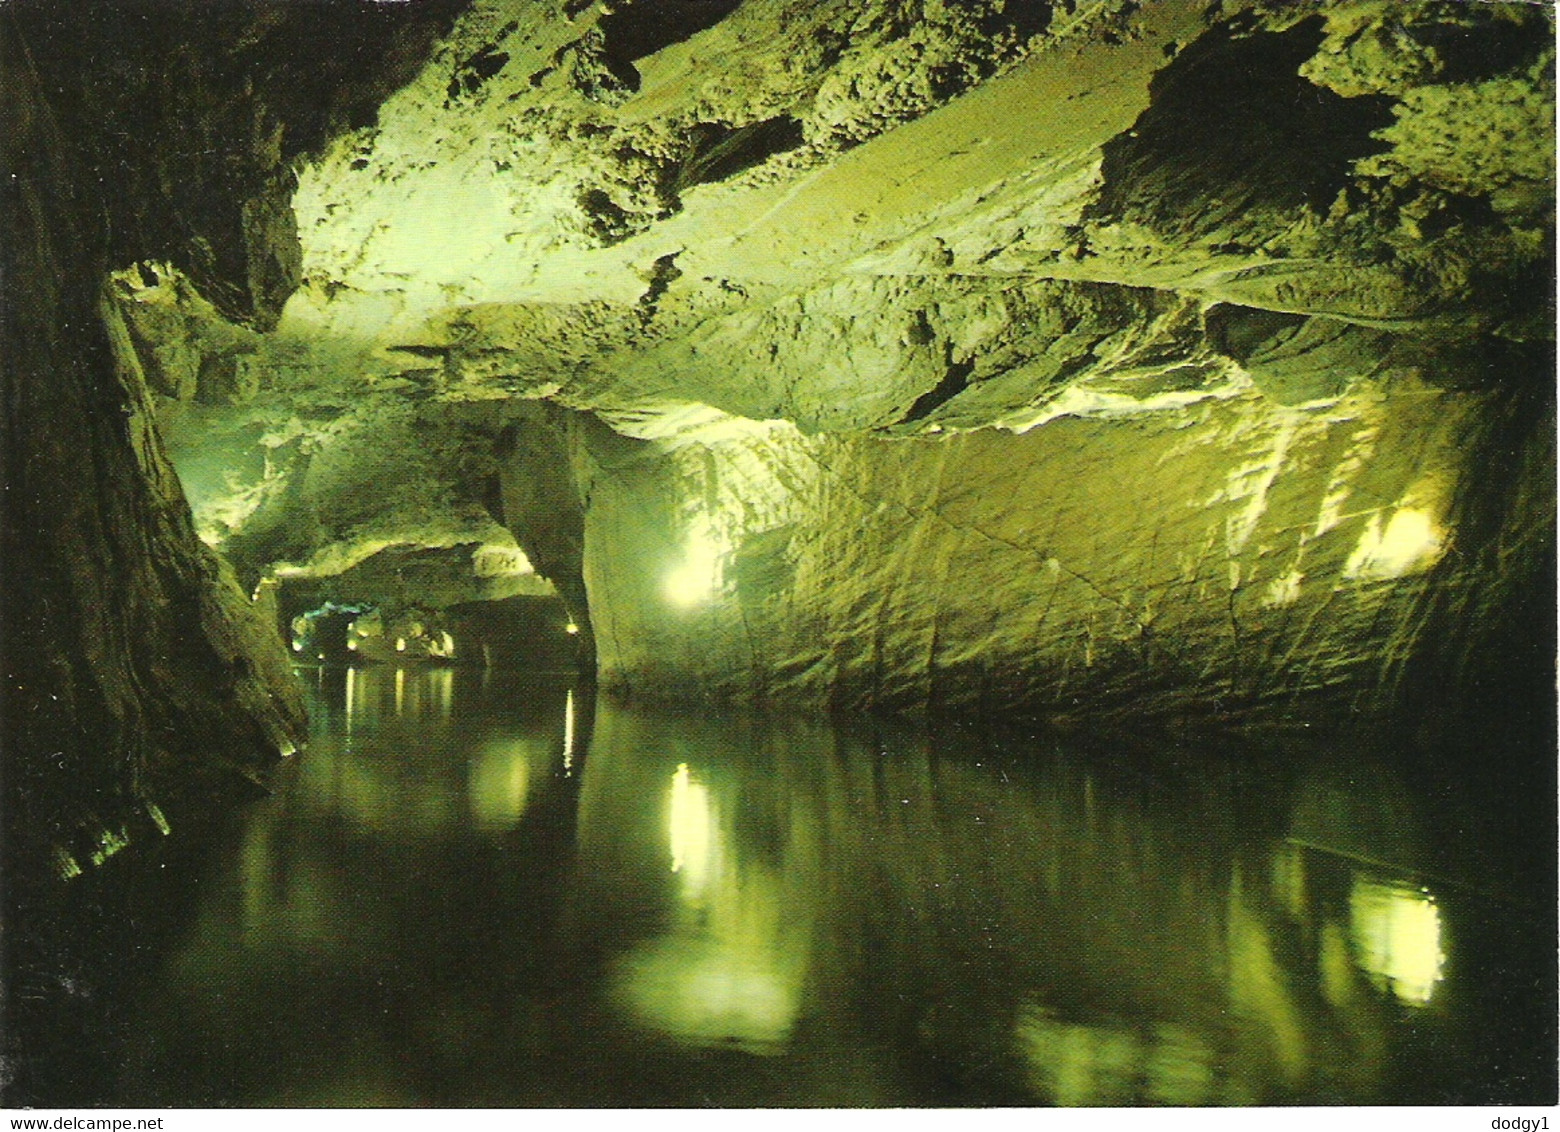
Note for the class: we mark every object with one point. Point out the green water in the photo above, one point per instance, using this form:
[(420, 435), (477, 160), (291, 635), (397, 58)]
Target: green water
[(479, 889)]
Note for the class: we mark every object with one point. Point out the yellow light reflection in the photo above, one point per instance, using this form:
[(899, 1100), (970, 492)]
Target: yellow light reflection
[(1397, 938), (351, 696), (1412, 541), (441, 683), (499, 785), (568, 731), (400, 690), (1074, 1064), (692, 831), (706, 991), (731, 968)]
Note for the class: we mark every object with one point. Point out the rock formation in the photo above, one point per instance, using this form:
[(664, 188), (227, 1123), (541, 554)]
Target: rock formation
[(1186, 360), (137, 673)]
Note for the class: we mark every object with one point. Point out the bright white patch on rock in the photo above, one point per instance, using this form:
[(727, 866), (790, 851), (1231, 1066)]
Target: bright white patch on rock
[(1411, 542), (1081, 401), (491, 561), (1251, 482), (676, 424), (1359, 453), (698, 577), (1284, 590)]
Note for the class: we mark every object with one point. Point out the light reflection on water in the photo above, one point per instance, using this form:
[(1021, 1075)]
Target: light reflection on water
[(477, 890)]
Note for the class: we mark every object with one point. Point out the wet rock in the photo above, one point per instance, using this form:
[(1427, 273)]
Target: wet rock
[(778, 269), (540, 504), (135, 667)]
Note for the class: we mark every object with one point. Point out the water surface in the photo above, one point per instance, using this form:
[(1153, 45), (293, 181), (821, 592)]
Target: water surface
[(477, 888)]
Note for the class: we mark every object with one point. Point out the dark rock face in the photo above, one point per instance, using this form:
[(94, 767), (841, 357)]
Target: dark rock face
[(136, 670), (1202, 154), (192, 114), (540, 504), (130, 655)]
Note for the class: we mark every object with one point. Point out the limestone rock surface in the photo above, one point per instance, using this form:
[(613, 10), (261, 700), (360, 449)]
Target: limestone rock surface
[(139, 677), (1073, 358)]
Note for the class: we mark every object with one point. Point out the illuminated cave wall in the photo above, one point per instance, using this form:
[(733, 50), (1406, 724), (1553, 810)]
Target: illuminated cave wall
[(1222, 558), (1183, 359), (1179, 358)]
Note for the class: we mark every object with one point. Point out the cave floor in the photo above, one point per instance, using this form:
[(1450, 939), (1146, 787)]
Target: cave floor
[(491, 889)]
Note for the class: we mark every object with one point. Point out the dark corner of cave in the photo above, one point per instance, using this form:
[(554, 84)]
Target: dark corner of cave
[(686, 553)]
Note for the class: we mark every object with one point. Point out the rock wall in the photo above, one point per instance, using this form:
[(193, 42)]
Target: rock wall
[(1183, 358), (979, 208), (1187, 359), (540, 503), (1232, 558), (136, 670), (132, 660)]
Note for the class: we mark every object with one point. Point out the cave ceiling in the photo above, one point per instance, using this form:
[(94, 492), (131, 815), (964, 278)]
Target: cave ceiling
[(895, 218)]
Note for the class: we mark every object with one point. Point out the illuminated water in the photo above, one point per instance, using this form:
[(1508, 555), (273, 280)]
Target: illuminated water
[(475, 889)]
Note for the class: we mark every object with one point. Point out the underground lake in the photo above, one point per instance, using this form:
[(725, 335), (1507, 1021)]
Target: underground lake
[(492, 889)]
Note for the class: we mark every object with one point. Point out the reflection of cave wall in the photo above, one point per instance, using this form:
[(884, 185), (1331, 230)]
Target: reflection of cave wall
[(1118, 937), (1111, 362)]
